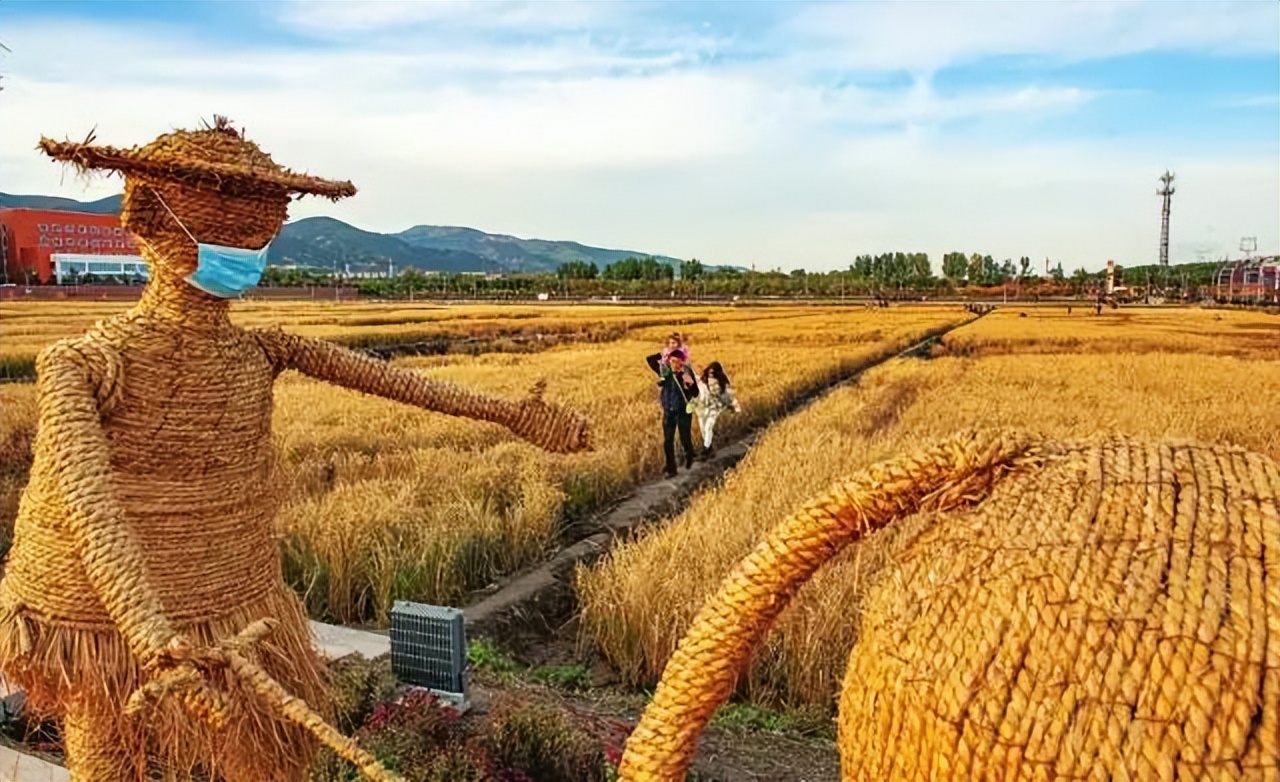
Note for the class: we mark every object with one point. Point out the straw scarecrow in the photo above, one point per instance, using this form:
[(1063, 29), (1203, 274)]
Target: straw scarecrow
[(142, 602), (1108, 609)]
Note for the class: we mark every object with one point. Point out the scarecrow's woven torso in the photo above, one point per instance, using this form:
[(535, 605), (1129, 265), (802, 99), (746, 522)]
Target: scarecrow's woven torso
[(1104, 616), (187, 415)]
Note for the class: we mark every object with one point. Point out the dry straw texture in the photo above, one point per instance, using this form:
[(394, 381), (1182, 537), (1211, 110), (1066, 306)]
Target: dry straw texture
[(211, 564), (154, 514), (218, 158), (144, 544), (636, 620), (28, 327), (1049, 329), (365, 515), (368, 520), (1107, 610)]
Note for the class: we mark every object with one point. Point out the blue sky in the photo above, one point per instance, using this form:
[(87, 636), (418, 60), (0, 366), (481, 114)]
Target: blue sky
[(775, 134)]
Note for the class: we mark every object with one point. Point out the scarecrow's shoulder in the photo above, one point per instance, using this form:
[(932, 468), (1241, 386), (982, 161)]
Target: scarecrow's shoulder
[(275, 342), (86, 357), (62, 351)]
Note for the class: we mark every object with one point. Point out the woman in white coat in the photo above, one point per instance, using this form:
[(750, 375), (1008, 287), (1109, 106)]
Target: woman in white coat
[(714, 396)]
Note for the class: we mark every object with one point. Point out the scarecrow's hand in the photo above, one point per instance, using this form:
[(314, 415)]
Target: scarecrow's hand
[(181, 670), (543, 425), (76, 384), (550, 426), (186, 683)]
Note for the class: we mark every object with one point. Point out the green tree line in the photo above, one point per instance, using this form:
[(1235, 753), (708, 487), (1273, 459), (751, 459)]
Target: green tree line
[(888, 275)]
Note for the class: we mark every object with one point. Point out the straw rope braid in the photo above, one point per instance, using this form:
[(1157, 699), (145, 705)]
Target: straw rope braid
[(80, 465), (186, 682), (702, 671), (546, 426), (1109, 611)]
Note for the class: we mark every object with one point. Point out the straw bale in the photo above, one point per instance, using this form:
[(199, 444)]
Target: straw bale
[(1104, 609)]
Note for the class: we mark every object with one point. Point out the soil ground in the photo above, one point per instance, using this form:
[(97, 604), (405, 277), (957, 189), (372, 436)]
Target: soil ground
[(725, 754)]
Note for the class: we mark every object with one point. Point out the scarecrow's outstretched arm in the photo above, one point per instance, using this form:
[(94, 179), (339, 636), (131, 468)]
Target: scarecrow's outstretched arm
[(72, 378), (547, 426)]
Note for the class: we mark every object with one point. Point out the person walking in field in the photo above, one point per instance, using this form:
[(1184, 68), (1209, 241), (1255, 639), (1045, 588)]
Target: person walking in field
[(679, 389), (714, 395)]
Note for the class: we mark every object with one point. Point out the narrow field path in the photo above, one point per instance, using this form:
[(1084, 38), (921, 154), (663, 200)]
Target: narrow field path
[(540, 599)]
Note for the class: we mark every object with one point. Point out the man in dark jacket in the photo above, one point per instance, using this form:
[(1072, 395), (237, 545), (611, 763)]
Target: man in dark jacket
[(679, 385)]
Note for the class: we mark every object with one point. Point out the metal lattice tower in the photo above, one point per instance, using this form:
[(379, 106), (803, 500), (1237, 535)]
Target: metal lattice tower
[(1166, 192)]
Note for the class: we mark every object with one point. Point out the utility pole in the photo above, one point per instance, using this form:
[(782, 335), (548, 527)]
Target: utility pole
[(1166, 193)]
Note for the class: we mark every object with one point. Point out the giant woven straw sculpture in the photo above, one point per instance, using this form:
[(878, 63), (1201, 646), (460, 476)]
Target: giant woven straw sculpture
[(1109, 611), (142, 602)]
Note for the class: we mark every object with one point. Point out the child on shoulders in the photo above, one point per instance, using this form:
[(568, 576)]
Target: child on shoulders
[(676, 341)]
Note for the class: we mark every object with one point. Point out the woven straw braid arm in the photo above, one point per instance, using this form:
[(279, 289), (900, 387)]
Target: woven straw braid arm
[(545, 425), (73, 447), (703, 670)]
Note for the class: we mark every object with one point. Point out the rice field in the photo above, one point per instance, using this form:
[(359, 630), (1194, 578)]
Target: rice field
[(1050, 329), (29, 326), (384, 502), (1152, 372)]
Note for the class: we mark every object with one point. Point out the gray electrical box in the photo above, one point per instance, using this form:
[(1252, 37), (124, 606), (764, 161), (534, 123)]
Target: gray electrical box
[(429, 648)]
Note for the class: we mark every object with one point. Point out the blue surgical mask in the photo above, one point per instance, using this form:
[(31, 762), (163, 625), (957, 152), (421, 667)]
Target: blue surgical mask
[(228, 271), (222, 271)]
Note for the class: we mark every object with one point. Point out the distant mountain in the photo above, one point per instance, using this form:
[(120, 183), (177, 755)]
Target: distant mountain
[(325, 241), (509, 252), (103, 206)]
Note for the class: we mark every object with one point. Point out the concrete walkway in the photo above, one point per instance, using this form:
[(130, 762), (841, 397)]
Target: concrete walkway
[(16, 766), (336, 642)]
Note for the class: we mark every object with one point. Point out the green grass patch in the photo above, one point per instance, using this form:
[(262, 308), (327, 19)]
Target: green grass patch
[(806, 721), (17, 367), (565, 677)]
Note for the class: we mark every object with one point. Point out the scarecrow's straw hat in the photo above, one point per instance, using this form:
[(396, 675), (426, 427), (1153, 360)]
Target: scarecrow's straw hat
[(213, 158)]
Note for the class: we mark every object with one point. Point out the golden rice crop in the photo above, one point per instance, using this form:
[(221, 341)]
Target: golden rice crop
[(385, 502), (1050, 329), (17, 430), (433, 477), (636, 618), (29, 326)]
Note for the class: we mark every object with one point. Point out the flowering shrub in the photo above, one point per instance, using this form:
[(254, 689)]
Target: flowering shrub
[(523, 737)]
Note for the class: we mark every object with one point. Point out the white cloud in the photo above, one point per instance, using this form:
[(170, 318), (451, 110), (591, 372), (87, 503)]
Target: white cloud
[(625, 146), (354, 16), (921, 105), (923, 37)]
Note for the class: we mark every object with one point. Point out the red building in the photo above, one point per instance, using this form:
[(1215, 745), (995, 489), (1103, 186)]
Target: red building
[(1250, 278), (29, 238)]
